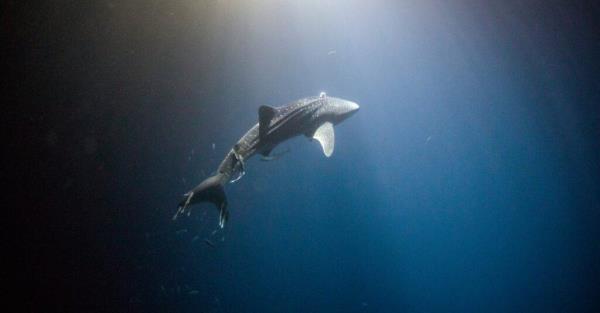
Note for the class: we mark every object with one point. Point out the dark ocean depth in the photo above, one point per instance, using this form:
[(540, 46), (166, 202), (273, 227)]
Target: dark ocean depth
[(469, 181)]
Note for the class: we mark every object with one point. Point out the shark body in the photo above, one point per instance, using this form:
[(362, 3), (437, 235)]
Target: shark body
[(313, 117)]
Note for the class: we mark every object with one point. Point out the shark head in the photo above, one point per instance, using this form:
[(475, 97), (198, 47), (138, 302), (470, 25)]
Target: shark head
[(338, 109)]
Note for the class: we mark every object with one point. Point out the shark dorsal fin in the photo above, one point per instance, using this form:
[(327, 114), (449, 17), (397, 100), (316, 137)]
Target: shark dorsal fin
[(265, 115), (326, 137)]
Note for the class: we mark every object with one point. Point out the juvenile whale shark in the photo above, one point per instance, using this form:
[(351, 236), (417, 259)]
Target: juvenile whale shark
[(313, 117)]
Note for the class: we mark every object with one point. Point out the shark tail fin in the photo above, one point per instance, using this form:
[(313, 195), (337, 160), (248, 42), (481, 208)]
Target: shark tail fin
[(210, 190)]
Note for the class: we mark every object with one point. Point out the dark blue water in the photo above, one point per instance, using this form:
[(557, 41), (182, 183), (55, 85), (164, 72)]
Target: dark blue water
[(467, 182)]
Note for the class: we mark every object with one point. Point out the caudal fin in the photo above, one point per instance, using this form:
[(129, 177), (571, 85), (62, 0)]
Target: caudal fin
[(210, 190)]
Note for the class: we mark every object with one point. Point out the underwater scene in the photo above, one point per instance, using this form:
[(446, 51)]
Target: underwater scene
[(305, 156)]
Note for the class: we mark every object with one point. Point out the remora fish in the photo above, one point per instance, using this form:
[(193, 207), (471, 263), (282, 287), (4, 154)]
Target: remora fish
[(313, 117)]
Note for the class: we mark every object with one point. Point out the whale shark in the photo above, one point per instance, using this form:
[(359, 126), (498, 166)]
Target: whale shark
[(313, 117)]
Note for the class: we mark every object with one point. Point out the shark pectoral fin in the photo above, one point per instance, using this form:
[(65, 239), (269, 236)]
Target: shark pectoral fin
[(326, 137), (265, 115), (266, 152), (267, 156)]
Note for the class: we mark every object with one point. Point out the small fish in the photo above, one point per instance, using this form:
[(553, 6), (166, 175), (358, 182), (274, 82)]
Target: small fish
[(181, 231), (210, 243), (331, 52), (193, 292), (213, 146), (195, 238)]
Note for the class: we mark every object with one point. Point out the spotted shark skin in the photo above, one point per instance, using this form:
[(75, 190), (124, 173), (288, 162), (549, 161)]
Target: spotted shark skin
[(314, 117)]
